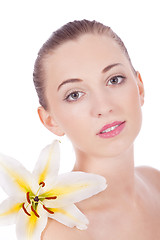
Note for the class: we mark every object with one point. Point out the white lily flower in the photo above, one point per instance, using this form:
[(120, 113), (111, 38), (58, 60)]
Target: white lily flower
[(35, 197)]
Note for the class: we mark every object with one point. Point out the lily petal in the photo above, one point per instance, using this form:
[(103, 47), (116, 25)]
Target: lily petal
[(14, 178), (70, 216), (31, 227), (73, 187), (47, 166), (9, 209)]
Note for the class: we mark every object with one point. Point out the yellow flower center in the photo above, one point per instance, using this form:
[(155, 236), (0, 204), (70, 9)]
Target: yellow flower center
[(33, 200)]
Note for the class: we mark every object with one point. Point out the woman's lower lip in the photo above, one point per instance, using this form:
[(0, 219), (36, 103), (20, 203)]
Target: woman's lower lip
[(112, 133)]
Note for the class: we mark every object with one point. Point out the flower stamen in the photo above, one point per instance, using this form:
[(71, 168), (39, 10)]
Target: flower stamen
[(35, 213), (42, 183), (48, 210), (28, 199), (24, 209), (50, 198)]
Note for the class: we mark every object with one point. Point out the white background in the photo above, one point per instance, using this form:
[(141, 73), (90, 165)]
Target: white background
[(24, 26)]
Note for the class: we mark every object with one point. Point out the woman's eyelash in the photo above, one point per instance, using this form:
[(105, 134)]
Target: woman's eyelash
[(116, 80), (73, 95)]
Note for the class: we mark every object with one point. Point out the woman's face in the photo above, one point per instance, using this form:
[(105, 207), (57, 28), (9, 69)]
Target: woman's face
[(90, 84)]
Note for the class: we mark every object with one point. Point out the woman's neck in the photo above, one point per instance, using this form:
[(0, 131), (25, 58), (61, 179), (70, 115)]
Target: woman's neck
[(119, 173)]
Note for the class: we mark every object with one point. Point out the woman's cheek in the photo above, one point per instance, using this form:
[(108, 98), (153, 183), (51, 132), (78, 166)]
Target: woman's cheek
[(68, 117), (134, 107)]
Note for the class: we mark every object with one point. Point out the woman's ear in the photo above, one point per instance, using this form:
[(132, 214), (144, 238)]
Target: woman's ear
[(49, 122), (140, 87)]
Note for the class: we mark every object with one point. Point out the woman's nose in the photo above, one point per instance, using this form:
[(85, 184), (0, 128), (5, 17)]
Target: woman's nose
[(101, 105)]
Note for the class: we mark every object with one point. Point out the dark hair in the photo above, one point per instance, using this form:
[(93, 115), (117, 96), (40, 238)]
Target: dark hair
[(69, 31)]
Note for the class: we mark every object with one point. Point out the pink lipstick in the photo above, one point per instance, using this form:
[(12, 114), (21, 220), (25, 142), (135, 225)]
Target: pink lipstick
[(111, 130)]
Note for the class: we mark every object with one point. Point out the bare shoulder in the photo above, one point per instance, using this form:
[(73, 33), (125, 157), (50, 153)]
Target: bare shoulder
[(58, 231), (150, 175)]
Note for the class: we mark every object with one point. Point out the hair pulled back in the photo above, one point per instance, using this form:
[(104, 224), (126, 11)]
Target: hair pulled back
[(70, 31)]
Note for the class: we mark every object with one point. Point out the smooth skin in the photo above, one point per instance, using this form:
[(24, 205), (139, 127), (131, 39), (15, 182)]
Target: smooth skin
[(107, 90)]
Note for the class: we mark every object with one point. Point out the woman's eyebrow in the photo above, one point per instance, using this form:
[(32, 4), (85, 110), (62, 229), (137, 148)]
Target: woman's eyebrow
[(106, 69), (69, 81), (72, 80)]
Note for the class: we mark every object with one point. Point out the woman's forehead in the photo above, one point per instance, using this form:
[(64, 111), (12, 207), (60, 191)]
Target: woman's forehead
[(87, 53), (87, 45)]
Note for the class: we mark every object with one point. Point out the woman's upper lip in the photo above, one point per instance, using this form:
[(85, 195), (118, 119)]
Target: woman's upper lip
[(110, 125)]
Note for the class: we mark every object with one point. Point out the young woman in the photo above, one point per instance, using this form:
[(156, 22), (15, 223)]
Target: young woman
[(89, 90)]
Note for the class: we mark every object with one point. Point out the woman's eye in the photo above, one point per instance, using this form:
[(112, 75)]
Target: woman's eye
[(74, 96), (116, 80)]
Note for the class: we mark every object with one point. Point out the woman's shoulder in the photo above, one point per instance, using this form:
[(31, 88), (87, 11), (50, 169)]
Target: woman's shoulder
[(58, 231), (150, 175)]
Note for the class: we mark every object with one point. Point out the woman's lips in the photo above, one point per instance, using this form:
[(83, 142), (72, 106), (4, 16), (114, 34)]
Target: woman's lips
[(111, 130)]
